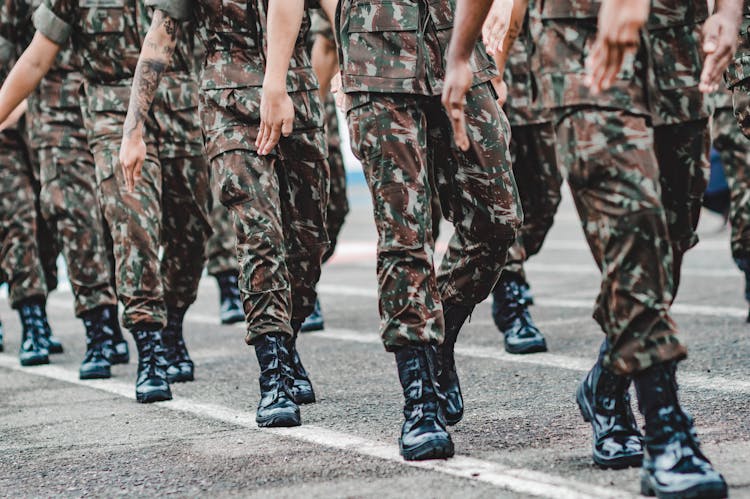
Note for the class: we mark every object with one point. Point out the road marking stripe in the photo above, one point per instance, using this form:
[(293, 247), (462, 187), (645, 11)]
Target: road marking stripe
[(677, 308), (520, 480)]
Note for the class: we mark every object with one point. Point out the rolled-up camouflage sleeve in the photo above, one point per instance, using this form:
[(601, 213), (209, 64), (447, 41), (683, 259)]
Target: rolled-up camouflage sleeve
[(50, 19), (180, 10)]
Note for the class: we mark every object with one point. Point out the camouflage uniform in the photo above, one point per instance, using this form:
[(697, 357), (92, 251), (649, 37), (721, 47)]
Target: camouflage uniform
[(170, 202), (277, 201), (738, 81), (534, 156), (392, 65), (22, 264), (606, 145), (221, 246), (338, 203), (679, 112), (68, 182)]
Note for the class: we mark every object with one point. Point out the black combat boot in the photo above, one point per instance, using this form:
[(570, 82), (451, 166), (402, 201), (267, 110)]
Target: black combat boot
[(314, 321), (2, 346), (33, 345), (302, 389), (604, 402), (49, 340), (510, 310), (180, 367), (152, 384), (96, 362), (453, 402), (674, 466), (120, 353), (423, 434), (230, 303), (277, 406), (744, 265)]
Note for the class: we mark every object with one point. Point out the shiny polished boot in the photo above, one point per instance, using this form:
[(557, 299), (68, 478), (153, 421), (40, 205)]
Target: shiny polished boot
[(230, 302), (604, 401), (2, 338), (423, 434), (51, 341), (33, 345), (180, 366), (453, 403), (510, 311), (314, 321), (302, 389), (151, 384), (96, 363), (120, 353), (674, 465), (277, 406)]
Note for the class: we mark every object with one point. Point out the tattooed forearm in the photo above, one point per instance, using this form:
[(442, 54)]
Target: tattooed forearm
[(156, 53)]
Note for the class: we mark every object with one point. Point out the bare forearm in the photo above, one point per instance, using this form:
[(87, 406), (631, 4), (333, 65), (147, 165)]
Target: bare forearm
[(156, 54), (470, 15), (516, 26), (329, 8), (26, 74), (284, 22), (731, 7), (325, 63)]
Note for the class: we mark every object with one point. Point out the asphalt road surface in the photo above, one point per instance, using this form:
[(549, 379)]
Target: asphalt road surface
[(521, 436)]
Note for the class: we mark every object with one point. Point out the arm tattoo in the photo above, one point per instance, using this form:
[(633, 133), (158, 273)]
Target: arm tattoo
[(146, 81)]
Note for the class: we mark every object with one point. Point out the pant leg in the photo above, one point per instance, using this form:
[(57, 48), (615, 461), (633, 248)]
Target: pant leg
[(614, 179), (539, 180), (70, 205), (389, 136), (186, 197), (46, 232), (682, 152), (20, 260), (221, 246), (134, 219), (338, 203), (478, 195)]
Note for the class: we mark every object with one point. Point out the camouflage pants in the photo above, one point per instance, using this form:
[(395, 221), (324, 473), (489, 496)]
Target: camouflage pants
[(614, 178), (734, 150), (221, 246), (20, 222), (278, 204), (69, 203), (539, 180), (403, 140), (169, 207), (338, 204), (682, 152)]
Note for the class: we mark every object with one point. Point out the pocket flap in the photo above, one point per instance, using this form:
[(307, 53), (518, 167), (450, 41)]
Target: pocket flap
[(383, 16)]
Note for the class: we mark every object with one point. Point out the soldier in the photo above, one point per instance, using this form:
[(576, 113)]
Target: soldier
[(325, 65), (222, 261), (392, 65), (68, 193), (734, 148), (257, 81), (614, 179), (534, 157), (173, 195)]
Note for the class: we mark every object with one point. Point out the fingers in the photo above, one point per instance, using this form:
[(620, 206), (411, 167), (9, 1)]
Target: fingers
[(595, 66), (455, 108), (287, 126), (269, 139), (260, 139)]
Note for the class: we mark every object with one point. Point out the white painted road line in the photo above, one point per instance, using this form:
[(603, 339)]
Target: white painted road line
[(520, 480), (677, 308)]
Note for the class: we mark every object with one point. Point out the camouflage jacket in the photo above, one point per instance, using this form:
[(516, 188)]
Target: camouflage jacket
[(660, 81), (54, 112), (107, 34), (523, 106), (233, 33), (739, 69), (398, 46)]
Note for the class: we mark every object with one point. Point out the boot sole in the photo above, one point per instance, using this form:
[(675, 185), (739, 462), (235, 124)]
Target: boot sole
[(35, 361), (312, 328), (279, 421), (95, 374), (155, 396), (181, 378), (453, 422), (439, 448), (304, 400), (701, 491), (524, 350), (601, 462), (233, 319), (53, 349), (119, 359)]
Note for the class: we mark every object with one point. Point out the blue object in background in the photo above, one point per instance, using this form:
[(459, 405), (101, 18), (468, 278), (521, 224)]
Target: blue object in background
[(717, 182)]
